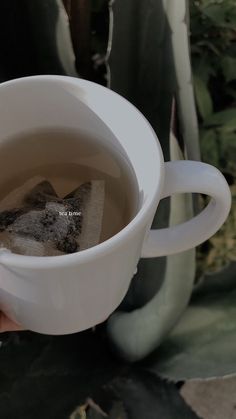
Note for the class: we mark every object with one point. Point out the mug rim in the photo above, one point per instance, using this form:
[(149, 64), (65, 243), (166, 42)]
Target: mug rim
[(107, 246)]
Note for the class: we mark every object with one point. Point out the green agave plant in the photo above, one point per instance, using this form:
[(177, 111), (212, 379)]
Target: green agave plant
[(172, 327)]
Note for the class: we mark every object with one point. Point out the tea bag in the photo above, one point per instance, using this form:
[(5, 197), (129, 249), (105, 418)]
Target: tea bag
[(16, 198), (35, 221), (90, 197)]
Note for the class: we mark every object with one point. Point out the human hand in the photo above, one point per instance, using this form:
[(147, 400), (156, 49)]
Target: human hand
[(7, 325)]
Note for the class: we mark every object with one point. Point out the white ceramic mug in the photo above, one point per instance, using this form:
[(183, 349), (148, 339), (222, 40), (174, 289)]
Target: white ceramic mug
[(70, 293)]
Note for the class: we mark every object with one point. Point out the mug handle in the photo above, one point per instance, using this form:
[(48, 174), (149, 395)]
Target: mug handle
[(188, 177)]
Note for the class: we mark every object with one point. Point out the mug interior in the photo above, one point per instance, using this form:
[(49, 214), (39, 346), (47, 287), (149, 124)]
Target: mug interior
[(46, 102), (49, 101)]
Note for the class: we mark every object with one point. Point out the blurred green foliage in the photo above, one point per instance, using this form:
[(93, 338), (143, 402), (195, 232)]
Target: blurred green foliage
[(213, 46)]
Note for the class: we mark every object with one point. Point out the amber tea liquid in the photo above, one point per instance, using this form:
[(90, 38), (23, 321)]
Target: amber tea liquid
[(67, 159)]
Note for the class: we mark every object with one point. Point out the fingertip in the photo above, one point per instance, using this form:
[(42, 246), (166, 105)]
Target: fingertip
[(7, 325)]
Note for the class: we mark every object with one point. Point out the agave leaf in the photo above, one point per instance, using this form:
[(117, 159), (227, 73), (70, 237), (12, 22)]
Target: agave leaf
[(76, 377), (17, 351), (63, 41), (50, 27), (203, 344), (151, 323), (139, 52), (145, 396), (178, 18), (140, 395), (40, 42), (66, 370)]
